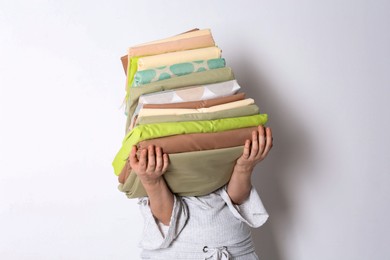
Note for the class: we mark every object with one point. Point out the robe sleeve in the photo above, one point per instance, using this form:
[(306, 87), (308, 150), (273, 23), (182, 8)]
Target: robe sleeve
[(157, 235), (251, 211)]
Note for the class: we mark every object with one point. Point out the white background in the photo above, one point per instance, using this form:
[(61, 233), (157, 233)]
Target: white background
[(320, 69)]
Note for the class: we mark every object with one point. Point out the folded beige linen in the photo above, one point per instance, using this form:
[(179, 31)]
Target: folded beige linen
[(193, 39), (186, 41), (229, 113), (200, 141), (149, 62), (184, 35), (181, 111), (198, 104), (190, 174)]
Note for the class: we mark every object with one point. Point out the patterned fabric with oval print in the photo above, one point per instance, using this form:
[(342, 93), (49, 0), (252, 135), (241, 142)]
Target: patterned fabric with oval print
[(166, 72)]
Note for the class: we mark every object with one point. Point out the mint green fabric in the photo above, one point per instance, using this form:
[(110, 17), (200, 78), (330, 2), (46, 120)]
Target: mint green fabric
[(193, 79), (166, 72), (150, 131), (234, 112), (192, 173)]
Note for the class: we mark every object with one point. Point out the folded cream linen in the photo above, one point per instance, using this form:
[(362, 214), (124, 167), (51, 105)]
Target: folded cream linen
[(249, 110), (199, 103), (181, 111), (200, 141), (190, 174), (150, 131), (149, 62), (193, 79)]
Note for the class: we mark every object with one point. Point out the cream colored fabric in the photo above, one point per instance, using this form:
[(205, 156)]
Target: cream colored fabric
[(170, 58), (199, 103), (169, 111), (234, 112)]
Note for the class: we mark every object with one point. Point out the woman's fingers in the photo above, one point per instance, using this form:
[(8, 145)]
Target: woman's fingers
[(269, 141), (133, 157), (261, 143), (159, 159), (261, 140), (165, 162), (255, 145), (247, 149), (151, 159), (142, 163)]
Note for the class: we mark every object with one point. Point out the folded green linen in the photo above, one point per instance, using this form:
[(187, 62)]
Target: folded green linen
[(165, 72), (193, 79), (150, 131), (192, 173), (234, 112)]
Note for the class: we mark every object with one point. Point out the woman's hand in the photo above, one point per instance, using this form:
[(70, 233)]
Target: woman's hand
[(150, 166), (255, 150)]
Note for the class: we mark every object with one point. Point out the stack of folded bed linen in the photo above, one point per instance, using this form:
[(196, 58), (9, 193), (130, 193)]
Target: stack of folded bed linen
[(181, 97)]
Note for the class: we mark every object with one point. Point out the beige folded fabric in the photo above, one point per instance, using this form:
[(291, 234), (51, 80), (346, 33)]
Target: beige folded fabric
[(190, 174), (184, 35), (192, 39), (200, 141), (149, 62), (193, 79), (235, 112), (198, 104), (181, 111), (186, 41)]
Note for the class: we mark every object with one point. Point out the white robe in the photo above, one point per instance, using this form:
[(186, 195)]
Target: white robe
[(205, 227)]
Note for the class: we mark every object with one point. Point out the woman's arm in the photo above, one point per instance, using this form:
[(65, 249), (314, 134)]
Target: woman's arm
[(150, 167), (255, 151)]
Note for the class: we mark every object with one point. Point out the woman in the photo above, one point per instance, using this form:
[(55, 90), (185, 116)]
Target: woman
[(214, 226)]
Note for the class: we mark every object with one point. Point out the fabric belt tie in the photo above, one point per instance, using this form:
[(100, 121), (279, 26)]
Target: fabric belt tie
[(216, 253)]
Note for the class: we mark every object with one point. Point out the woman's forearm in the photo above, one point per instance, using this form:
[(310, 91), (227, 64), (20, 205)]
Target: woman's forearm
[(240, 185), (160, 200)]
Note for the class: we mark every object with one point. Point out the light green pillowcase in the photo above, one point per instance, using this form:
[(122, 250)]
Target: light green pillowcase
[(192, 173)]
